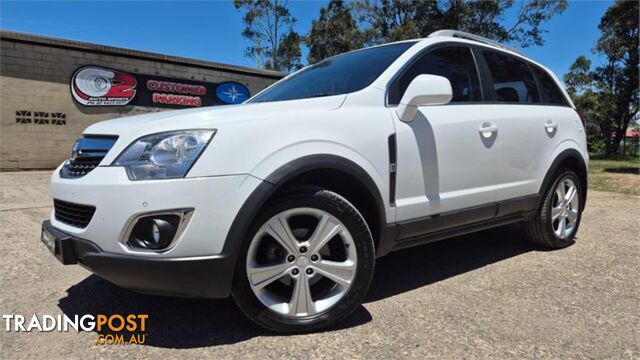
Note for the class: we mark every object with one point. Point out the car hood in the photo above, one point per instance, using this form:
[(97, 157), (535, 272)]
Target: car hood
[(210, 117)]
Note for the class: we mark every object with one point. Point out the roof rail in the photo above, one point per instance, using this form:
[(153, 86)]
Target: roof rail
[(468, 36)]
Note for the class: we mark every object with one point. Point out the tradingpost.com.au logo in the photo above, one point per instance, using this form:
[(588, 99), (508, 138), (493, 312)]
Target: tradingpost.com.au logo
[(112, 329)]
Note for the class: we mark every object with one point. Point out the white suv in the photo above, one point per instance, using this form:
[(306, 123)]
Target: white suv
[(285, 202)]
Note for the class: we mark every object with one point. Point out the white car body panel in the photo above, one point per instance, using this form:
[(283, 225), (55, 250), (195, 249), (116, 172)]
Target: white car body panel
[(443, 163), (215, 201), (525, 145), (249, 116)]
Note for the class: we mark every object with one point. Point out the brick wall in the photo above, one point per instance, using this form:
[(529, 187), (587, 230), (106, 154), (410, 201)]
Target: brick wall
[(34, 77)]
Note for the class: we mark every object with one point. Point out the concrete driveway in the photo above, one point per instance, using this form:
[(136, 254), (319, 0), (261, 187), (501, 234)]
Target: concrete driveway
[(490, 294)]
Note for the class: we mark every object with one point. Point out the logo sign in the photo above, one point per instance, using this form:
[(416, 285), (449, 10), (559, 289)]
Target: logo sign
[(232, 92), (97, 86)]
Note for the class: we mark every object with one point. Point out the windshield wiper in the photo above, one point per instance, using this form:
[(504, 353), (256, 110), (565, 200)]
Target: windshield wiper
[(322, 94)]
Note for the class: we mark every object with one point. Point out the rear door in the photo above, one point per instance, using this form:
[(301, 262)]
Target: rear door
[(527, 123), (444, 163)]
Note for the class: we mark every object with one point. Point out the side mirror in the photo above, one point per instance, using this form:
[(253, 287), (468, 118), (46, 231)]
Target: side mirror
[(424, 90)]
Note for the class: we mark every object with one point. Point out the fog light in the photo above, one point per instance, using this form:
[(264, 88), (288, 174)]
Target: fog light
[(154, 232)]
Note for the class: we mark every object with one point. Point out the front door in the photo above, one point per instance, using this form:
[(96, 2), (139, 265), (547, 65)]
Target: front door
[(446, 158)]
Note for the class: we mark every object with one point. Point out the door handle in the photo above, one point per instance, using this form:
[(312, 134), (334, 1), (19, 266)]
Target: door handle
[(550, 125), (487, 130)]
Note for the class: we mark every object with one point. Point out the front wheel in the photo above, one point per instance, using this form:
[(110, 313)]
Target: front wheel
[(307, 264), (556, 223)]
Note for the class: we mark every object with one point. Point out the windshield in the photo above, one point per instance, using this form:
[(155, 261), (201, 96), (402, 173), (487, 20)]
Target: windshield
[(337, 75)]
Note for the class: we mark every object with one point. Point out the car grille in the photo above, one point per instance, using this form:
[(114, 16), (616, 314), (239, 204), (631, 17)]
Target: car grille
[(73, 214), (81, 167), (86, 155)]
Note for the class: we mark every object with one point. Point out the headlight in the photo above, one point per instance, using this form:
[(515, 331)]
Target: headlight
[(165, 155)]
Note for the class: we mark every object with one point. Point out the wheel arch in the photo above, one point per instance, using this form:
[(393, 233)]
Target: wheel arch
[(338, 174), (571, 159), (333, 172)]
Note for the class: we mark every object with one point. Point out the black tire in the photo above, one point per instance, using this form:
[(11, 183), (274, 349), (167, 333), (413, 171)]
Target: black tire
[(540, 228), (344, 211)]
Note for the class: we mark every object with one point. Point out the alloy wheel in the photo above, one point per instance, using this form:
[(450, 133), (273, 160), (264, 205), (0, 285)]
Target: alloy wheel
[(564, 208), (301, 262)]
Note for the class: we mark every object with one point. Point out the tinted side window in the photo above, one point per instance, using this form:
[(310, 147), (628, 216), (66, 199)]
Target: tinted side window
[(512, 79), (551, 94), (454, 63)]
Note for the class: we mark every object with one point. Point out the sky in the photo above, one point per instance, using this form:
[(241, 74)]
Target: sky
[(211, 30)]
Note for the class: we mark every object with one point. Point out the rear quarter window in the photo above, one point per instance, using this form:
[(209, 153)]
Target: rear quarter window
[(551, 93)]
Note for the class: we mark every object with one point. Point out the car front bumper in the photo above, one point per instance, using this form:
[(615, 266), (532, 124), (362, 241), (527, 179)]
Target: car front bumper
[(201, 263), (118, 201), (203, 277)]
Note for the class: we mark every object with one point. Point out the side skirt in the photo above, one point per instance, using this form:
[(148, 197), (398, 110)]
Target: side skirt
[(455, 223)]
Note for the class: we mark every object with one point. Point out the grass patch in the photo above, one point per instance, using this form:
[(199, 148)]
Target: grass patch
[(618, 174)]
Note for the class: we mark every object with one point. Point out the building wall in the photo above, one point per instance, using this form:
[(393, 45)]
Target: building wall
[(35, 77)]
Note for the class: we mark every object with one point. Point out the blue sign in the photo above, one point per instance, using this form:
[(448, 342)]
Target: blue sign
[(232, 92)]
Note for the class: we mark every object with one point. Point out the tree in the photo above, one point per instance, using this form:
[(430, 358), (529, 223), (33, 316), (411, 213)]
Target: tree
[(334, 32), (288, 53), (382, 18), (483, 18), (269, 26), (580, 85), (406, 30), (619, 76), (609, 92)]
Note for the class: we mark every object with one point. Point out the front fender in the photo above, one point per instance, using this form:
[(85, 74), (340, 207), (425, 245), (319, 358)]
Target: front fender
[(293, 160)]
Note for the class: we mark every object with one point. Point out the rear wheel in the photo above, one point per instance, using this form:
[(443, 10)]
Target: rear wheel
[(307, 264), (558, 218)]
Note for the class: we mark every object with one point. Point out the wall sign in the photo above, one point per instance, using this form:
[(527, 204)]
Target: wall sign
[(99, 86), (96, 86), (232, 92)]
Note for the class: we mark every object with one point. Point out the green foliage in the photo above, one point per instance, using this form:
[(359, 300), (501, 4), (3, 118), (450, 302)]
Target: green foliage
[(579, 78), (608, 94), (381, 18), (596, 145), (334, 32), (630, 149), (268, 25), (288, 54), (389, 20), (407, 30)]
